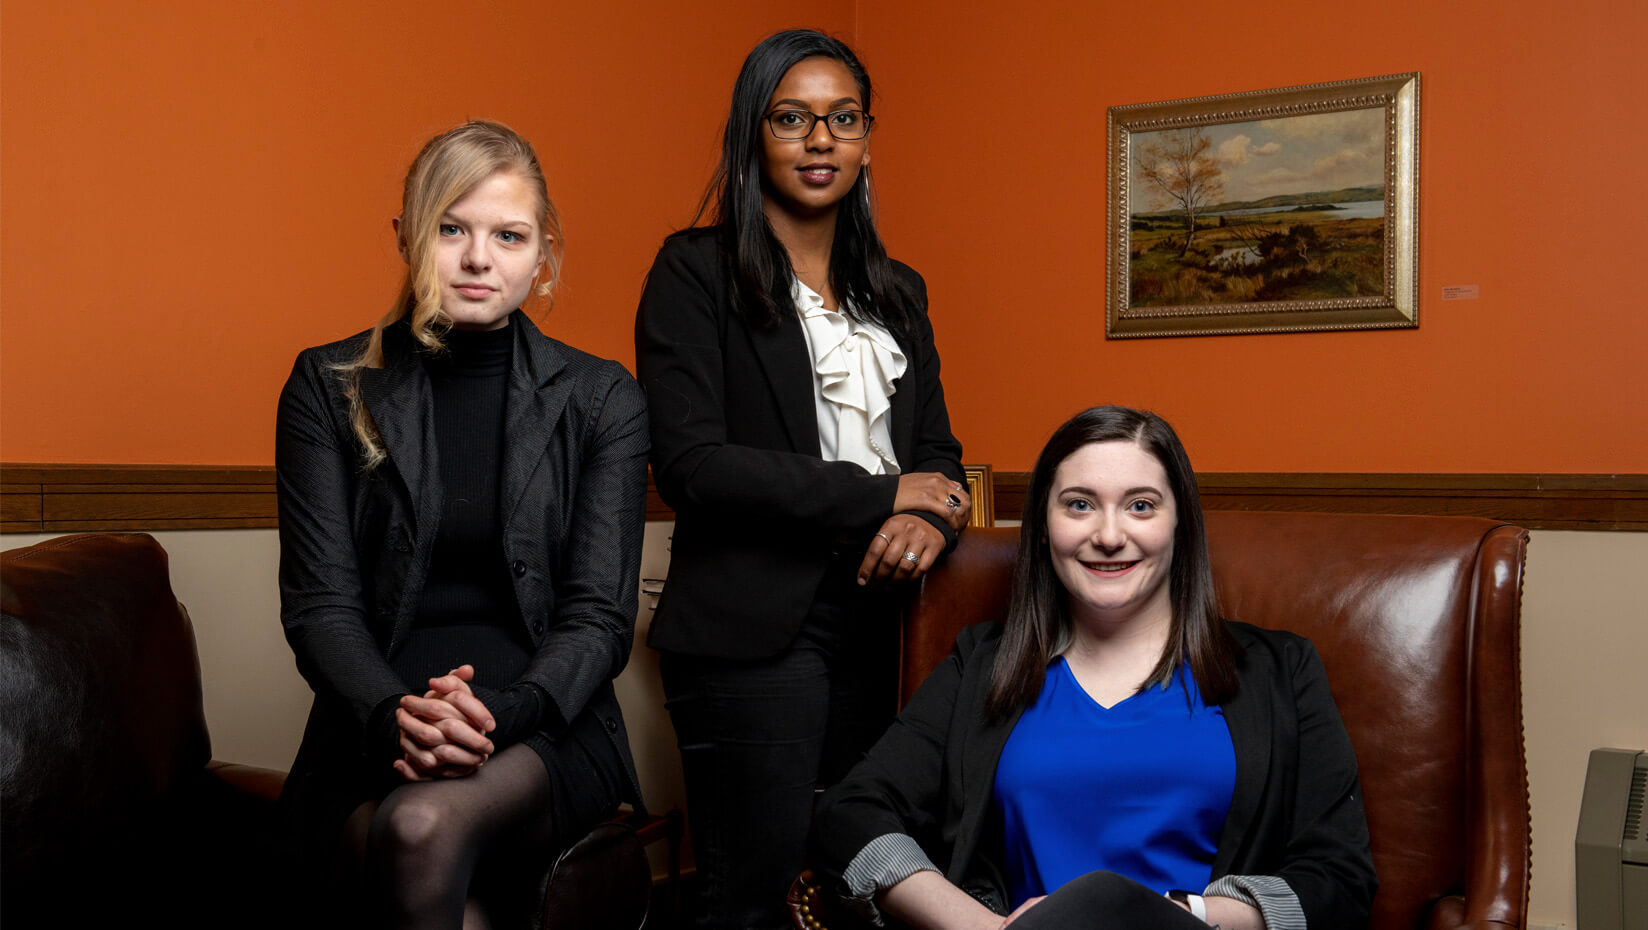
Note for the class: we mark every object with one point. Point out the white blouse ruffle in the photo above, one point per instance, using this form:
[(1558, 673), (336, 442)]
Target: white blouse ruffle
[(855, 365)]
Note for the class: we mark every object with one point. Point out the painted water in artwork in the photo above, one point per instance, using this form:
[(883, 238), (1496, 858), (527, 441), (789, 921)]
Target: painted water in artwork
[(1279, 209)]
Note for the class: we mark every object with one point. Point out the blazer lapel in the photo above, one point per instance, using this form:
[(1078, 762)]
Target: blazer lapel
[(532, 411), (399, 400), (903, 412), (783, 354), (980, 753), (1248, 717)]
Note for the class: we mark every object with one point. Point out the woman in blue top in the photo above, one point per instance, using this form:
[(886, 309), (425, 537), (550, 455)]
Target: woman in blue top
[(1114, 750)]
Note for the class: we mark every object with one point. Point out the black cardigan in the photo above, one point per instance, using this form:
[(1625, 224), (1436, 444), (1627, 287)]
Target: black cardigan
[(1296, 811), (735, 451), (354, 546)]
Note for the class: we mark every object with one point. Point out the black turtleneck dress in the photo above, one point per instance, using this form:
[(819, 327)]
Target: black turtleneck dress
[(468, 612)]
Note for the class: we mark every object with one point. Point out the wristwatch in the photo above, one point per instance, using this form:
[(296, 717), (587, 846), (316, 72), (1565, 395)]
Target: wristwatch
[(1194, 902)]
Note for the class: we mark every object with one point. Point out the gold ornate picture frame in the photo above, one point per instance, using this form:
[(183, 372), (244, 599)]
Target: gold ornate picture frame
[(981, 488), (1271, 211)]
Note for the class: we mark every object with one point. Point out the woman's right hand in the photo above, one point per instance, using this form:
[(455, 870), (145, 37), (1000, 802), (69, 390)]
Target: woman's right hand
[(443, 733), (933, 492), (1019, 911)]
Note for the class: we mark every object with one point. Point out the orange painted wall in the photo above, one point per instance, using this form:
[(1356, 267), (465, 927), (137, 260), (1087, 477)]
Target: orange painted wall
[(990, 155), (195, 190)]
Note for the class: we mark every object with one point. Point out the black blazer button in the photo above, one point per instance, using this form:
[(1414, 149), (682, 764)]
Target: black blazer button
[(519, 568), (612, 725), (537, 626)]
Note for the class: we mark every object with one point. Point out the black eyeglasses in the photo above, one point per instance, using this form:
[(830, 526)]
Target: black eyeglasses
[(844, 125)]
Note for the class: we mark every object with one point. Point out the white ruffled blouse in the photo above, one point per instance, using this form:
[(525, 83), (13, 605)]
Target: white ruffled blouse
[(854, 367)]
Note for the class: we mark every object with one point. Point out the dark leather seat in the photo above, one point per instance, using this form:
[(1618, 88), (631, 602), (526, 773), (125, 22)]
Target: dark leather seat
[(1416, 619), (112, 807)]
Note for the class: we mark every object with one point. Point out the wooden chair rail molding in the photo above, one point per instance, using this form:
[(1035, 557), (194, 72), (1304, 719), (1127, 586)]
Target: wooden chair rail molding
[(84, 498)]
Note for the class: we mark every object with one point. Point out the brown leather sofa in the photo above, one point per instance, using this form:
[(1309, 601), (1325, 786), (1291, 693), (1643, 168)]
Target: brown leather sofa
[(1416, 619), (112, 807)]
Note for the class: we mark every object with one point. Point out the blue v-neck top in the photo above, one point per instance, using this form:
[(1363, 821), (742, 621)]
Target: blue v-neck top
[(1140, 788)]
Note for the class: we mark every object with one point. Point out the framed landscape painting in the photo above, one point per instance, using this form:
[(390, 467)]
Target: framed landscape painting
[(1270, 211)]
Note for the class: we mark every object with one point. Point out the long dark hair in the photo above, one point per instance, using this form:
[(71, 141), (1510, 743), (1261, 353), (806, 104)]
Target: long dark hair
[(1038, 616), (861, 274)]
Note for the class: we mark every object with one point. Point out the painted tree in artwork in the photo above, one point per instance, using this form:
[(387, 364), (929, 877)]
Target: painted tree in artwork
[(1179, 171)]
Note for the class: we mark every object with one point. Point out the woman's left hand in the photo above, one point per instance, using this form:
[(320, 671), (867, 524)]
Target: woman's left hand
[(453, 688), (935, 493), (1232, 914), (902, 550)]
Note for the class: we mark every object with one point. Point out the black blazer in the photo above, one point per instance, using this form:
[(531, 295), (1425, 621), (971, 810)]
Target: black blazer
[(355, 547), (735, 451), (1296, 811)]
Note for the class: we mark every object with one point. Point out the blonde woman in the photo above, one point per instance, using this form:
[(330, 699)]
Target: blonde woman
[(461, 506)]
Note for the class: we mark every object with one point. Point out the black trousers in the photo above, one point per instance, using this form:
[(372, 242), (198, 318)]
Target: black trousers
[(758, 737)]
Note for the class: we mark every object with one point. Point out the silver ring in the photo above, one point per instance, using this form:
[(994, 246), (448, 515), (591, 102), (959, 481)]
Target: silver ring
[(954, 502), (886, 537), (911, 557)]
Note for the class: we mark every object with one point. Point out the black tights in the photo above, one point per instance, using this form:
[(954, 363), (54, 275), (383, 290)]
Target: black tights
[(415, 854)]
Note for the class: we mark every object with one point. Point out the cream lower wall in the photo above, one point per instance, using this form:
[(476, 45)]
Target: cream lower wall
[(1585, 631), (1584, 636), (256, 703)]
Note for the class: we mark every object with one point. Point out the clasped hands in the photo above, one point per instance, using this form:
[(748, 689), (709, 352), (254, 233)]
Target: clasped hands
[(443, 733), (906, 546)]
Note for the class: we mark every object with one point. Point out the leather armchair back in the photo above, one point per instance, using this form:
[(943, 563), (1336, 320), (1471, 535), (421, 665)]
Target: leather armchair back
[(1416, 620), (101, 685), (111, 805)]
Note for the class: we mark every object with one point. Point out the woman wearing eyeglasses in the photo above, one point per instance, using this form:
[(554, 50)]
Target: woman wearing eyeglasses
[(799, 432)]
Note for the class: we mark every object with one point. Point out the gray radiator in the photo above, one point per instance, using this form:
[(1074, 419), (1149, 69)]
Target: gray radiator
[(1611, 845)]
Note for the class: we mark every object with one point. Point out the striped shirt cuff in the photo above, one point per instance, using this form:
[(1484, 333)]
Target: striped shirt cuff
[(1269, 893), (883, 862)]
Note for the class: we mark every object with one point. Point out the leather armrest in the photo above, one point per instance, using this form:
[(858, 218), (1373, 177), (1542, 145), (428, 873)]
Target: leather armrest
[(602, 880), (1449, 914), (248, 780)]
